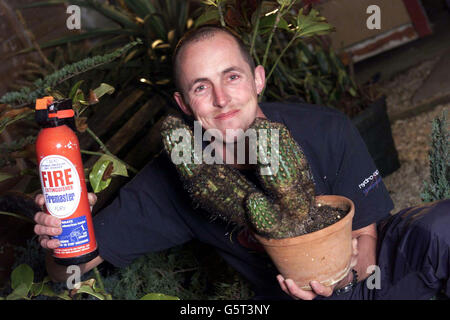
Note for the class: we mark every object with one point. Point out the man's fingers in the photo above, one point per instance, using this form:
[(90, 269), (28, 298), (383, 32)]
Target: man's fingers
[(39, 200), (321, 289), (355, 246), (43, 230), (92, 197), (44, 219), (355, 252), (295, 291), (48, 243), (282, 284)]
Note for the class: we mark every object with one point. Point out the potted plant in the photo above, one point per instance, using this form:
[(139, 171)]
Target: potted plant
[(307, 237)]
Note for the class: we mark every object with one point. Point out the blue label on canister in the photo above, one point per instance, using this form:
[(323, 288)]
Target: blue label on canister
[(74, 232)]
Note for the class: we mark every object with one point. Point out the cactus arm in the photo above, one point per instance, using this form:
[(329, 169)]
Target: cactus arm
[(291, 185), (218, 189)]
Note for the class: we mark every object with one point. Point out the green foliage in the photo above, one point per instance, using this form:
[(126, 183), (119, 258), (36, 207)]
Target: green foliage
[(438, 188), (158, 23), (24, 287), (288, 40), (29, 281), (158, 296), (40, 86), (176, 272), (157, 272)]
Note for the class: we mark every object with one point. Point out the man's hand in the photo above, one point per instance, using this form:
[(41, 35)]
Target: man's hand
[(47, 225), (289, 286)]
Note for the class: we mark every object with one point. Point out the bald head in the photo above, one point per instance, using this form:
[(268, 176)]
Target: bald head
[(201, 34)]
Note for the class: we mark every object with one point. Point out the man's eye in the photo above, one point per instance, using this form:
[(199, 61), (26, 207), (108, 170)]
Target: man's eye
[(234, 77), (199, 88)]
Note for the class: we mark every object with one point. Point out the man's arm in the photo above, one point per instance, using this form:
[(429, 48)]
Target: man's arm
[(367, 244), (58, 273)]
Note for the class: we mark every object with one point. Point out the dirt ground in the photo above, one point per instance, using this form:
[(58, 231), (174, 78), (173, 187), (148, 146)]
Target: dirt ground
[(412, 136)]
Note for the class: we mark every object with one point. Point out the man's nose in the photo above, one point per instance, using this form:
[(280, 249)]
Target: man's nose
[(220, 97)]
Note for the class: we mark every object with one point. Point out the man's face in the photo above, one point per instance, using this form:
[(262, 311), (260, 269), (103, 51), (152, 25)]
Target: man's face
[(219, 89)]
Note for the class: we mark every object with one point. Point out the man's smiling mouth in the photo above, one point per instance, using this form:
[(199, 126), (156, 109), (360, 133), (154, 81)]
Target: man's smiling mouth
[(226, 115)]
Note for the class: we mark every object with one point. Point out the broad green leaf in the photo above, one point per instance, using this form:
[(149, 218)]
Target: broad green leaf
[(96, 175), (90, 288), (312, 24), (74, 89), (208, 16), (266, 23), (22, 274), (20, 292), (38, 288), (119, 168), (103, 89), (158, 296), (78, 99)]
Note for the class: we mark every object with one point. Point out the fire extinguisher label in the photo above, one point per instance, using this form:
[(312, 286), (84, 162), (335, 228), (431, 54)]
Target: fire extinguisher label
[(74, 232), (60, 185)]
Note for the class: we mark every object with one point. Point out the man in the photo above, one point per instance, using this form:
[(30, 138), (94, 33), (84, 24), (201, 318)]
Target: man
[(218, 86)]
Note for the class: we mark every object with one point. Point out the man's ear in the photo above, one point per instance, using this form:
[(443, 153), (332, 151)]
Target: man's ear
[(180, 101), (260, 78)]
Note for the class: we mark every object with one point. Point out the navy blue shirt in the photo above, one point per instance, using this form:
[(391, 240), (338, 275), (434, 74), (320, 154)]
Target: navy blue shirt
[(153, 212)]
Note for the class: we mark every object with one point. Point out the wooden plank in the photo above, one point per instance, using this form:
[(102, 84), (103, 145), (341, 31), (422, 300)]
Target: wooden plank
[(134, 125), (105, 117), (114, 114), (147, 147), (418, 17), (373, 46)]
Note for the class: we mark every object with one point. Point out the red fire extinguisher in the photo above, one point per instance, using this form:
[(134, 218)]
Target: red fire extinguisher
[(62, 181)]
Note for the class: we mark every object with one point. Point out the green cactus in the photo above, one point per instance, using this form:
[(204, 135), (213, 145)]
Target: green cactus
[(219, 189), (291, 184), (224, 192), (288, 183)]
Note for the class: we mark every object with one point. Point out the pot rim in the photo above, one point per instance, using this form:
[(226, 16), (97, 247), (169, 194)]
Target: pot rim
[(331, 229)]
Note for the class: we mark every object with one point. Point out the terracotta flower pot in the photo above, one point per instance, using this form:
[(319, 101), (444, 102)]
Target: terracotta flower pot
[(322, 255)]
